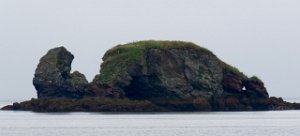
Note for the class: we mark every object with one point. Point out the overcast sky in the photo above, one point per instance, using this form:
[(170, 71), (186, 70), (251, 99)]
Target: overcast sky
[(260, 37)]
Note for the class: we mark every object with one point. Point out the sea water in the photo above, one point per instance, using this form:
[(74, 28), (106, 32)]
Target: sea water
[(270, 123)]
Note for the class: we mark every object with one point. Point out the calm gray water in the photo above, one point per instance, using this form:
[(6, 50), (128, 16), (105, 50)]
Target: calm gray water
[(279, 123)]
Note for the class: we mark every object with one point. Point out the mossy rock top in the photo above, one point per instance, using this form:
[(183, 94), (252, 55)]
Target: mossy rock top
[(119, 57), (133, 50), (133, 53)]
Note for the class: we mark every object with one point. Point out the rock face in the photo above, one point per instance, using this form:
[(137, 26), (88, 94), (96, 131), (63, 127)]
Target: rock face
[(176, 71), (161, 70), (52, 78)]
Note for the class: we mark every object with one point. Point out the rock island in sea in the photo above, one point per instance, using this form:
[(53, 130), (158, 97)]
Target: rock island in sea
[(148, 76)]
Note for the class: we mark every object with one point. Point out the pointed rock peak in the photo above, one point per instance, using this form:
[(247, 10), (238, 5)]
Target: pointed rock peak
[(59, 59), (58, 51)]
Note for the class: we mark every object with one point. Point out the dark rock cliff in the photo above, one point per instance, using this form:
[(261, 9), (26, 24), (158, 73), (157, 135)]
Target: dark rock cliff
[(161, 70), (149, 76)]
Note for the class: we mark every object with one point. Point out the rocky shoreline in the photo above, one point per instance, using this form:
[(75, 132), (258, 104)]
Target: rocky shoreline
[(148, 76), (125, 105)]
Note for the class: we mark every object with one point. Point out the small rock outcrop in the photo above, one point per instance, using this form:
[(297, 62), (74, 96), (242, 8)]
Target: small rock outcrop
[(52, 78)]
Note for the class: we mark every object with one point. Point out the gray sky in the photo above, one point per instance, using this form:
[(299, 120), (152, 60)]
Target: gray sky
[(260, 37)]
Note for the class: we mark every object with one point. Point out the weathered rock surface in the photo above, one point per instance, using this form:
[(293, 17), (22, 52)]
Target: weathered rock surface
[(149, 76), (52, 78)]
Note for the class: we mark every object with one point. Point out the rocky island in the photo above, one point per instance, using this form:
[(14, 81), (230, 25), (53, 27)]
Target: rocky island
[(148, 76)]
